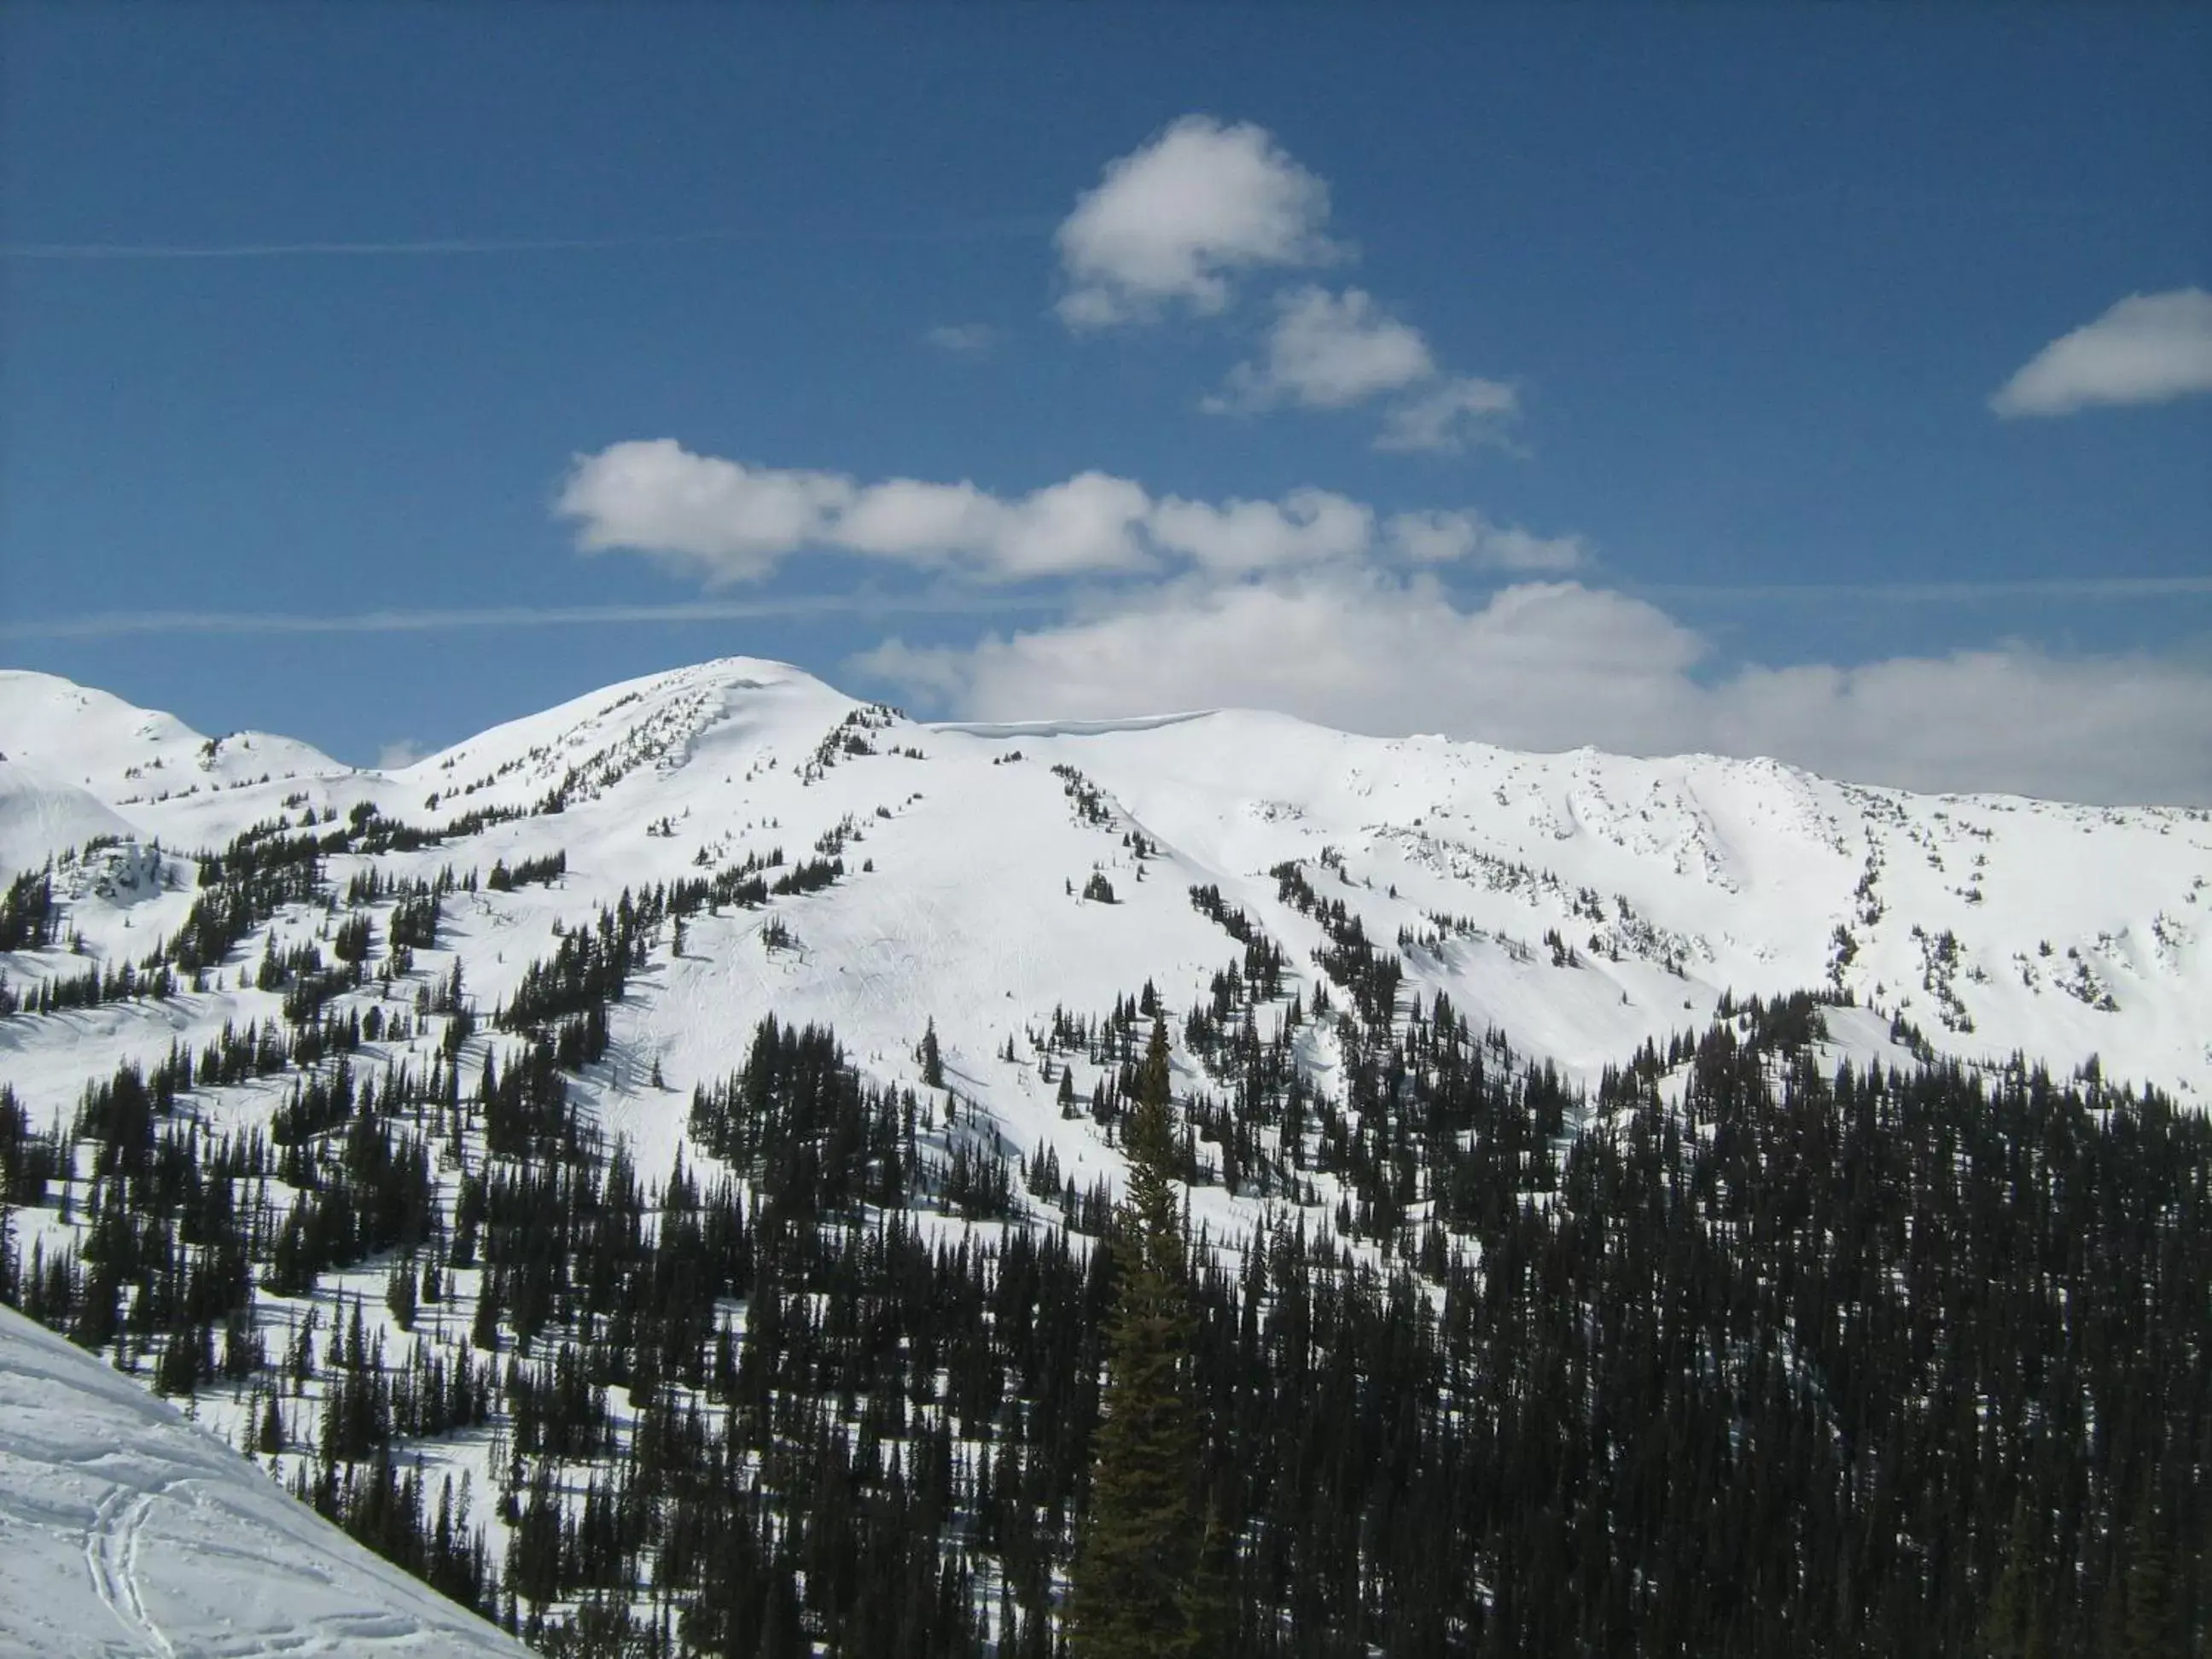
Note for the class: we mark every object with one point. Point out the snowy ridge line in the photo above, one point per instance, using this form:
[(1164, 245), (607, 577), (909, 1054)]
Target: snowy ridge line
[(2061, 931), (1068, 728)]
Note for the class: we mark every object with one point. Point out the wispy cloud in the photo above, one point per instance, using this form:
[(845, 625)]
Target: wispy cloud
[(115, 624), (962, 339), (1453, 414), (432, 248)]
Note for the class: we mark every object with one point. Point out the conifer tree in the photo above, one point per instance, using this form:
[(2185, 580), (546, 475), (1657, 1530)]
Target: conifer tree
[(2012, 1623), (2143, 1587), (1134, 1583), (932, 1063)]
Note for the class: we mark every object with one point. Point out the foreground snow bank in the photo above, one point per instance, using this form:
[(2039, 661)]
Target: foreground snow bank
[(124, 1529)]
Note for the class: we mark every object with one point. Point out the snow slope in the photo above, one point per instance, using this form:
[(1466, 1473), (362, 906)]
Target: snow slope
[(74, 735), (1993, 924), (37, 816), (1578, 902), (124, 1529)]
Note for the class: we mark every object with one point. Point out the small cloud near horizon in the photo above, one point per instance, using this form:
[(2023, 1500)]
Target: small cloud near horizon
[(1548, 665)]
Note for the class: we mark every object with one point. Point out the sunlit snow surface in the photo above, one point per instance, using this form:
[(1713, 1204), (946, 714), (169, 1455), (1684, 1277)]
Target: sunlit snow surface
[(124, 1529), (1994, 923)]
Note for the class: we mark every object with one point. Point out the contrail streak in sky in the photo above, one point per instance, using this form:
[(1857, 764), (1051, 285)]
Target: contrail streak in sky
[(1964, 593), (115, 624), (118, 623), (465, 246)]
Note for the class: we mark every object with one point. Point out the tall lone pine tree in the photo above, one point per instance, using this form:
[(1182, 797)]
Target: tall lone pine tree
[(1135, 1589)]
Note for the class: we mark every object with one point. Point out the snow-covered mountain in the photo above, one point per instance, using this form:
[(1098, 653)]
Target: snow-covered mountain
[(1581, 902), (124, 1529), (439, 1100), (73, 734)]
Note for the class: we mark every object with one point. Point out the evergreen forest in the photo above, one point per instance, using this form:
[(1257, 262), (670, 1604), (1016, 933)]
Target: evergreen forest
[(1742, 1352)]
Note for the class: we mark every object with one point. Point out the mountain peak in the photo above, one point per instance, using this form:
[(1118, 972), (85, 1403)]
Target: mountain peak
[(80, 735), (1991, 923)]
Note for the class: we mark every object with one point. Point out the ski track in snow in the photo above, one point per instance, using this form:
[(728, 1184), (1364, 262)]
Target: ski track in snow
[(111, 1550), (125, 1529)]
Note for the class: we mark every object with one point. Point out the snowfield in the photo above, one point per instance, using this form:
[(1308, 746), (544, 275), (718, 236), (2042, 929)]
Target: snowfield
[(1581, 902), (124, 1529)]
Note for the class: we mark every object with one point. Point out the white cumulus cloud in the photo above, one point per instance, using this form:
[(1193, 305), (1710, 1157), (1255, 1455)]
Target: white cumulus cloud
[(1463, 536), (1176, 219), (1327, 351), (1089, 523), (1308, 526), (909, 518), (1336, 350), (1173, 219), (724, 520), (1359, 650), (729, 521), (1548, 666), (2148, 348)]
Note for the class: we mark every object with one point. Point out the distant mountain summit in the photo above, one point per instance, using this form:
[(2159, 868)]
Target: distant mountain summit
[(76, 735)]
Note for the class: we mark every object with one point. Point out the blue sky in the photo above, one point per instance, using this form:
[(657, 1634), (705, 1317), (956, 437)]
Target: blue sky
[(1585, 374)]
